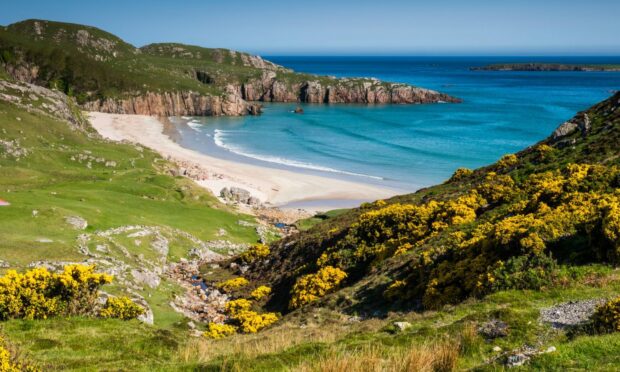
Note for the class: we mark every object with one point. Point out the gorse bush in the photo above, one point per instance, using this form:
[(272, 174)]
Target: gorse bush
[(255, 252), (498, 233), (38, 294), (121, 308), (232, 284), (260, 292), (311, 287), (217, 331), (8, 362), (236, 306), (606, 319)]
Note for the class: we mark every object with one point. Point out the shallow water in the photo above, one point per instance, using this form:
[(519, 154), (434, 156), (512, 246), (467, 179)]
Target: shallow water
[(406, 146)]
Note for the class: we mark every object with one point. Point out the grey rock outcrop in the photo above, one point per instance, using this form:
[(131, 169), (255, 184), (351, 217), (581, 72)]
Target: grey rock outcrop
[(238, 195)]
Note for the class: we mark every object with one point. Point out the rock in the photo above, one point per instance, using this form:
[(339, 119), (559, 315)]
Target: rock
[(570, 314), (494, 329), (580, 122), (517, 360), (497, 349), (298, 110), (76, 222), (4, 264), (401, 326), (238, 195), (551, 349), (149, 278)]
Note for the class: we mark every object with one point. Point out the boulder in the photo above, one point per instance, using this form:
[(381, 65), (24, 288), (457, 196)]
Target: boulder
[(76, 222)]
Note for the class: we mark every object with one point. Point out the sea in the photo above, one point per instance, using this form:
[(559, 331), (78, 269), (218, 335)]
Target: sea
[(405, 147)]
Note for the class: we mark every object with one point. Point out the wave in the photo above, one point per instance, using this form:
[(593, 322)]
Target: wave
[(218, 140), (195, 125)]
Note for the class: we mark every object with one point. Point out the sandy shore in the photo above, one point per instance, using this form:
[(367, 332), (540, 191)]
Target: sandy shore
[(275, 186)]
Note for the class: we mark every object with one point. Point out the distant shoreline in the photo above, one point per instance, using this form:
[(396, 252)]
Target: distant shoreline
[(275, 187), (548, 67)]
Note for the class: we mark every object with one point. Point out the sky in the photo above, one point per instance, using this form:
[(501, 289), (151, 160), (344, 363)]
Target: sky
[(349, 27)]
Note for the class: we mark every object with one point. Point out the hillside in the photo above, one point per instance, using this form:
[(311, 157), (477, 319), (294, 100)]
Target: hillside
[(555, 202), (470, 274), (106, 74)]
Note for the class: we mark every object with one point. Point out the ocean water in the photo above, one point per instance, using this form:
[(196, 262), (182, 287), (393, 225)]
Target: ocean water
[(406, 147)]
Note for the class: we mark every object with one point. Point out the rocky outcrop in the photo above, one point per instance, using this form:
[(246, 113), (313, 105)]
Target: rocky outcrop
[(176, 104), (270, 88)]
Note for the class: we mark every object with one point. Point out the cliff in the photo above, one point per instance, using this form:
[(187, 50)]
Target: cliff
[(104, 73), (175, 104), (272, 88)]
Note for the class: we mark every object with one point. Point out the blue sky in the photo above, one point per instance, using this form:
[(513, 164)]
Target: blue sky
[(356, 27)]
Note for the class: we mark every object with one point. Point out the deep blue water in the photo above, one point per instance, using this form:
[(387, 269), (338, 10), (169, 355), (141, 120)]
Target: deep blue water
[(407, 146)]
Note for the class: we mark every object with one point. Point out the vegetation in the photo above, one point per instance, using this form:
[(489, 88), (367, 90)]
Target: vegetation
[(121, 308), (408, 283)]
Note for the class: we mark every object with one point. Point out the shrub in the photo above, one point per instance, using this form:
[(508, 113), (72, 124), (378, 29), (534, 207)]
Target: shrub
[(508, 161), (461, 173), (395, 289), (236, 306), (121, 308), (606, 318), (252, 322), (260, 292), (311, 287), (217, 331), (255, 252), (38, 294), (232, 284), (523, 272)]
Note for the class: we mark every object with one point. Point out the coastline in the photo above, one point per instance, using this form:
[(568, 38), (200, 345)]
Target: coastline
[(273, 187)]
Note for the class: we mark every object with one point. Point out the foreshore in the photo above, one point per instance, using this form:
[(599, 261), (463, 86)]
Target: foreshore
[(273, 187)]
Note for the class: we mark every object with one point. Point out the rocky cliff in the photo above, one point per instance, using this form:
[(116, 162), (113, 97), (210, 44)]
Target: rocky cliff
[(176, 104), (272, 88)]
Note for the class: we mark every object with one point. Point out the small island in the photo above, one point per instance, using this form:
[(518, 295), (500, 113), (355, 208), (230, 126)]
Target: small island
[(548, 67)]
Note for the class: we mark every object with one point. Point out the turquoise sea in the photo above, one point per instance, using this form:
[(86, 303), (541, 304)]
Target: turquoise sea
[(406, 146)]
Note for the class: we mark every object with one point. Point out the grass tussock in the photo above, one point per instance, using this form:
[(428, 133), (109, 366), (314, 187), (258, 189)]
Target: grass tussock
[(271, 341), (441, 356)]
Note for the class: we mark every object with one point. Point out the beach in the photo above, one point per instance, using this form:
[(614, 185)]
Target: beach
[(273, 187)]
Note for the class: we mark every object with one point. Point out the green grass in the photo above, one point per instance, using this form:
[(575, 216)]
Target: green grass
[(305, 337), (135, 192), (50, 183)]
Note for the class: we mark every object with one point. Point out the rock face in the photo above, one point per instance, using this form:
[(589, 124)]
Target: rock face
[(372, 91), (581, 122), (176, 104)]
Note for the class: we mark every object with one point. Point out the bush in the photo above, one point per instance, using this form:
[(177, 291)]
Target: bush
[(524, 272), (38, 294), (217, 331), (255, 252), (461, 173), (606, 318), (232, 284), (236, 306), (311, 287), (260, 292), (252, 322), (121, 308)]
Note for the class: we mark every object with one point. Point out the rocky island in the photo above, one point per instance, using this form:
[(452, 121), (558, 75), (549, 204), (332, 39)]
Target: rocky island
[(546, 67), (106, 74)]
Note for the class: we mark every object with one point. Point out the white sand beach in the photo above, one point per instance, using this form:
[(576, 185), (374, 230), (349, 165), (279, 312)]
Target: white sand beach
[(274, 186)]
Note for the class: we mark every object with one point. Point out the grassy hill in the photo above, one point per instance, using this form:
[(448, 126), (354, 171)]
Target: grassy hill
[(95, 66)]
